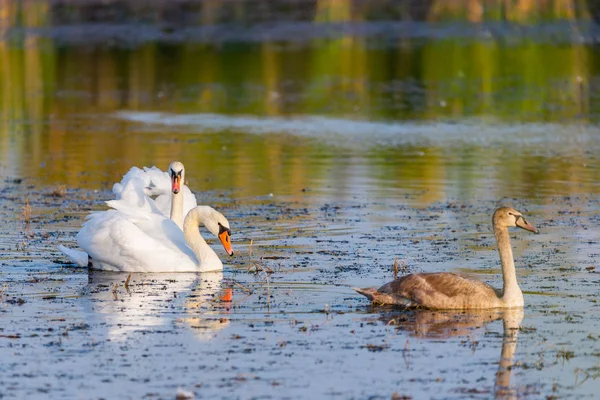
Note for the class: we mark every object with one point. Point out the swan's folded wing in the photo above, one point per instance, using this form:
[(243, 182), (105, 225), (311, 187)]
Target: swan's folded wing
[(189, 200), (138, 185), (133, 213), (159, 180), (133, 195), (443, 283), (114, 241), (133, 173)]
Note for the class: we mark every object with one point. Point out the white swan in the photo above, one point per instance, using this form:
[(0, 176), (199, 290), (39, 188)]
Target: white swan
[(133, 240), (133, 199), (173, 197)]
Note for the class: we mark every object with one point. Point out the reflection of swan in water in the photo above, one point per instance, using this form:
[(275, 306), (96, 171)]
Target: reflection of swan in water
[(432, 324), (205, 313), (152, 301)]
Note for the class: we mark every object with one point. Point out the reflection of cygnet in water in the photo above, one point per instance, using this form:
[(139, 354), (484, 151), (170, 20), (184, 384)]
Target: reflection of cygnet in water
[(512, 320), (149, 301), (431, 324)]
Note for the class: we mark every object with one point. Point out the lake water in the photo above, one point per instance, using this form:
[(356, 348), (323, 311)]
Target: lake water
[(337, 137)]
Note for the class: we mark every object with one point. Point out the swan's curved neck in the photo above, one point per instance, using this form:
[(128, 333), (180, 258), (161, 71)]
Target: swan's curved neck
[(511, 293), (177, 208), (207, 258)]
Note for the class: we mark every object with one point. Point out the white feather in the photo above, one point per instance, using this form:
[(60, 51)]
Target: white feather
[(78, 257)]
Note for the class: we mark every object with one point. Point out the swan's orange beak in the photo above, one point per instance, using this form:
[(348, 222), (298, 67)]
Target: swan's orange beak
[(226, 241), (523, 224), (176, 183)]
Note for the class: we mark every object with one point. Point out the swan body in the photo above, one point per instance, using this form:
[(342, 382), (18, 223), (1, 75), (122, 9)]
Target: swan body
[(447, 290), (136, 236), (132, 240), (171, 196)]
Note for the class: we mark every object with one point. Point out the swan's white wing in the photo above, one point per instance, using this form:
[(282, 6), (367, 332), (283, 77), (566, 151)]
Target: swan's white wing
[(189, 200), (133, 173), (160, 182), (133, 194), (163, 202), (155, 226), (135, 243)]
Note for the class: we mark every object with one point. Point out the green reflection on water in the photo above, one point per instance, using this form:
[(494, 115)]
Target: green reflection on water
[(59, 104)]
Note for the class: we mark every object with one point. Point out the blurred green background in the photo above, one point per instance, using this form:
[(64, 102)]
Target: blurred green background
[(80, 81)]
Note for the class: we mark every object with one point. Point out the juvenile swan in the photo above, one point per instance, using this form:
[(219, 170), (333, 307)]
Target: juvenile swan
[(446, 290)]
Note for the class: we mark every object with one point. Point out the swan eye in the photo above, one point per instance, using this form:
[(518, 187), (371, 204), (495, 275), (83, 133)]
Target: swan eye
[(223, 229)]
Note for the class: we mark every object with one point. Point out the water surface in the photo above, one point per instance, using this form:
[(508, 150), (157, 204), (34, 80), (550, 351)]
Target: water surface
[(337, 137)]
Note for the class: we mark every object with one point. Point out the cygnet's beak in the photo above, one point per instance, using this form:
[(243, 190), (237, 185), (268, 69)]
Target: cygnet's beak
[(225, 238), (523, 224)]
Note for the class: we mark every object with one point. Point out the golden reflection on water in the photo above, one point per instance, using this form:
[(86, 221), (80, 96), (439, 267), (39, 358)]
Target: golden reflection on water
[(58, 106)]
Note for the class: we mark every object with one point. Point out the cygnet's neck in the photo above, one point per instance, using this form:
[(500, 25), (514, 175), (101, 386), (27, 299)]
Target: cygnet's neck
[(511, 293), (177, 208), (207, 258)]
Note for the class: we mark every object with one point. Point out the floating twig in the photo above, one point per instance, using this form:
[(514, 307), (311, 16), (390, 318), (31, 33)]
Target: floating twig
[(26, 212), (241, 286), (60, 191), (127, 282), (406, 354)]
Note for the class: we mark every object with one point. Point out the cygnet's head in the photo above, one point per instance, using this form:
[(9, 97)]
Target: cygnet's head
[(508, 216), (177, 174)]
